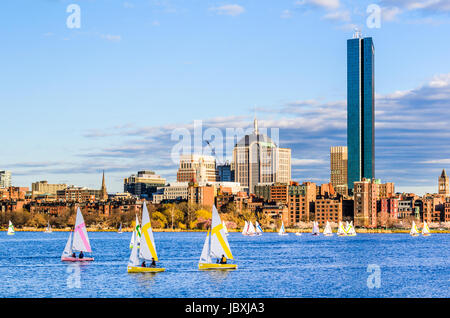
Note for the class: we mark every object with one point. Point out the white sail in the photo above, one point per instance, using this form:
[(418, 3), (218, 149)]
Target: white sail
[(282, 230), (225, 227), (414, 230), (133, 239), (315, 229), (327, 231), (134, 258), (11, 229), (219, 242), (147, 245), (425, 229), (341, 230), (251, 229), (120, 228), (245, 229), (205, 258), (259, 230), (49, 228), (68, 249), (138, 227), (352, 229), (80, 236)]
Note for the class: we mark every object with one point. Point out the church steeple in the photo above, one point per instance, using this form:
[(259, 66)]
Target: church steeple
[(444, 184), (104, 194)]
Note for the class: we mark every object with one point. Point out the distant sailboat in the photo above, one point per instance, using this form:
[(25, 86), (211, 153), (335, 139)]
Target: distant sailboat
[(341, 230), (259, 230), (225, 228), (251, 229), (282, 229), (315, 229), (350, 229), (327, 231), (80, 242), (425, 229), (414, 231), (136, 236), (215, 246), (245, 229), (120, 228), (48, 229), (147, 251), (11, 229)]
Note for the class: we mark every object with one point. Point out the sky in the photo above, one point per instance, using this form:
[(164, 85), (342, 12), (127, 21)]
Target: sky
[(113, 94)]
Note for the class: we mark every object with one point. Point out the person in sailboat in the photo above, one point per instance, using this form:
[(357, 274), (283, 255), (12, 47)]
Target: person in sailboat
[(81, 255), (74, 255), (223, 260), (143, 264), (153, 264)]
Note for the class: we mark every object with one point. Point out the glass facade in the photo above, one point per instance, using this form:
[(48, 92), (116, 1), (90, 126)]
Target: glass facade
[(360, 110)]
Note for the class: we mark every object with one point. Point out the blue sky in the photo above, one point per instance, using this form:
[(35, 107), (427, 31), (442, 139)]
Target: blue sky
[(109, 94)]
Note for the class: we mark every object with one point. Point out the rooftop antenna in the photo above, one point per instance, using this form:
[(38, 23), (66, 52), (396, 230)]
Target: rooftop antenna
[(357, 34), (255, 122)]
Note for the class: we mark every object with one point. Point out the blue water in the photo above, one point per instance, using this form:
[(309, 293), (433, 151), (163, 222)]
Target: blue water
[(269, 266)]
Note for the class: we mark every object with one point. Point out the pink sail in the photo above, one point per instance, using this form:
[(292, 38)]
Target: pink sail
[(80, 237)]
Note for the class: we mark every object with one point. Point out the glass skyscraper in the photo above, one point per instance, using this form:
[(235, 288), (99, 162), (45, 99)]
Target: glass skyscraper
[(360, 109)]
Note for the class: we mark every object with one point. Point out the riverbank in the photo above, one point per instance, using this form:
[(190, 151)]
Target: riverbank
[(129, 230)]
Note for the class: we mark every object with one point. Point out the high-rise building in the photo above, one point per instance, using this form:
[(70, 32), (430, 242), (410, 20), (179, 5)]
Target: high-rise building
[(360, 109), (144, 184), (43, 187), (225, 173), (257, 159), (443, 183), (197, 168), (338, 168), (5, 179)]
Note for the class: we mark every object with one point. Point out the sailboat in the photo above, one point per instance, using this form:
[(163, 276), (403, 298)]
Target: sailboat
[(425, 229), (341, 231), (11, 229), (136, 236), (414, 231), (80, 242), (259, 230), (48, 229), (216, 245), (245, 229), (120, 228), (327, 231), (350, 229), (315, 229), (282, 229), (225, 228), (147, 251), (251, 229)]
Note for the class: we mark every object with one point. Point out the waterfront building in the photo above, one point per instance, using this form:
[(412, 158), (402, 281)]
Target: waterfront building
[(444, 183), (40, 188), (365, 205), (5, 179), (386, 190), (360, 109), (197, 168), (257, 159), (327, 209), (144, 184), (338, 168), (176, 191), (301, 200), (79, 194), (388, 211), (201, 194)]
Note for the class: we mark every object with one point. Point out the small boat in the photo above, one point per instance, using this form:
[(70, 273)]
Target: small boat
[(298, 233), (282, 229), (350, 229), (11, 229), (315, 229), (215, 246), (251, 229), (259, 230), (245, 229), (80, 242), (414, 231), (225, 228), (327, 231), (136, 236), (425, 229), (120, 228), (341, 230), (48, 229), (147, 250)]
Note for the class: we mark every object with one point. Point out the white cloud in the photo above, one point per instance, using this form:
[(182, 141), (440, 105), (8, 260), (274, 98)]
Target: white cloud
[(229, 9), (307, 162), (112, 38), (286, 14), (326, 4), (338, 16), (390, 13)]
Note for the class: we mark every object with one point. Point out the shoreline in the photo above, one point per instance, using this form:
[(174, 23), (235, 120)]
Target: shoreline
[(306, 231)]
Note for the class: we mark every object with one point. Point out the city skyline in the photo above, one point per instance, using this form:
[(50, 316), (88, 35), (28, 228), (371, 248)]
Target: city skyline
[(73, 114)]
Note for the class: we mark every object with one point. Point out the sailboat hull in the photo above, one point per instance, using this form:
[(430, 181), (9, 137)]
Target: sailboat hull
[(414, 234), (206, 266), (75, 259), (11, 233), (329, 234), (138, 269)]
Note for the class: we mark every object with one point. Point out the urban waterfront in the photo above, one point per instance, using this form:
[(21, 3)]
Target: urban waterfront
[(268, 266)]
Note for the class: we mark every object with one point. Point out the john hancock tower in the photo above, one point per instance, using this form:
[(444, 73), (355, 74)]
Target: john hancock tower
[(360, 109)]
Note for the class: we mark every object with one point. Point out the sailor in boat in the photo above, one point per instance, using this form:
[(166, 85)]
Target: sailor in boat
[(74, 255), (223, 260), (153, 264), (143, 264), (81, 255)]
